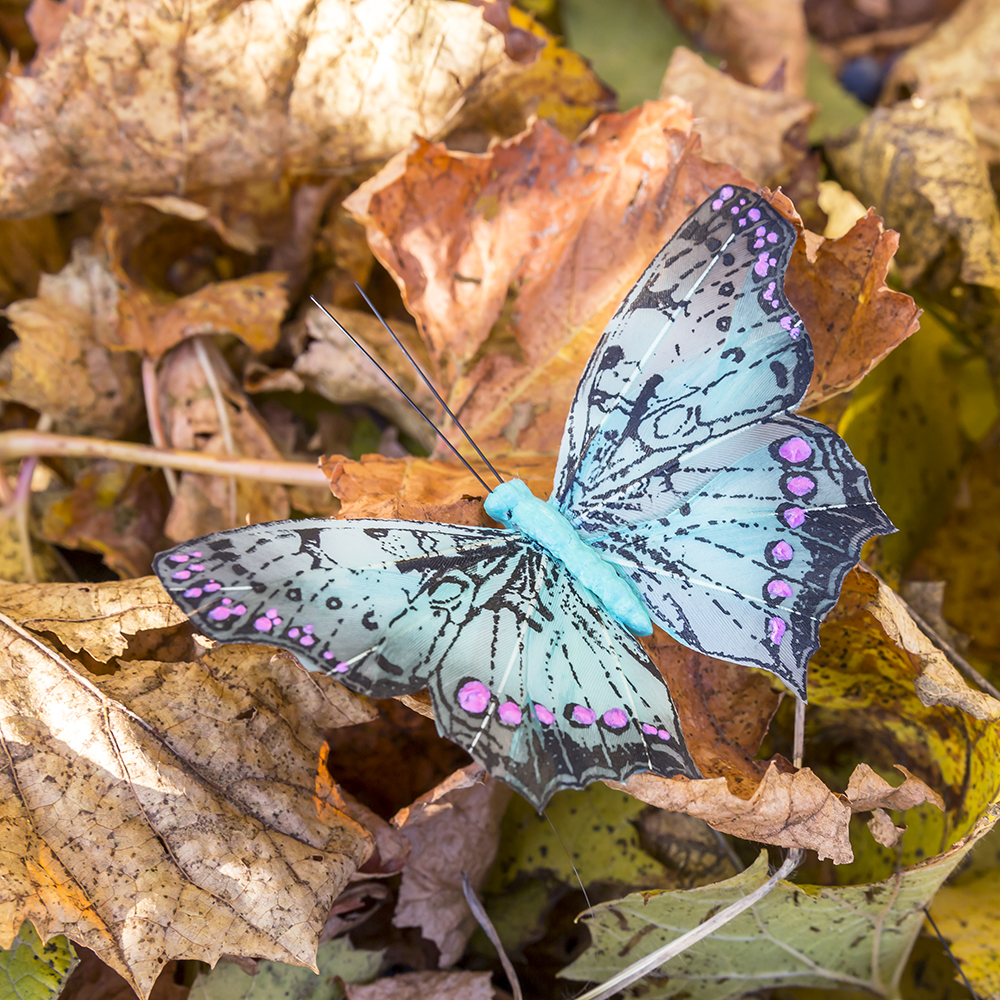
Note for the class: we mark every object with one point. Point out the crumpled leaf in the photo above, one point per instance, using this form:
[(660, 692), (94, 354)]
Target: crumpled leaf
[(760, 40), (454, 828), (338, 961), (854, 320), (426, 986), (739, 124), (512, 279), (962, 54), (303, 87), (868, 791), (848, 936), (31, 969), (928, 182), (60, 364), (114, 809), (97, 618)]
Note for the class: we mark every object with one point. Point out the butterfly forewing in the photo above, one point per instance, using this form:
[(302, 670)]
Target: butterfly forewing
[(524, 668)]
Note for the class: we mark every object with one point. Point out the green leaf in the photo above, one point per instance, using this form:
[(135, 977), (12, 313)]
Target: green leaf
[(31, 970), (337, 960), (825, 937)]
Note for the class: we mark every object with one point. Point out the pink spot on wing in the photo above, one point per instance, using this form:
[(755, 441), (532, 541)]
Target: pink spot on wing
[(772, 237), (783, 552), (776, 628), (716, 205), (474, 696), (801, 485), (760, 230), (341, 668), (181, 574), (779, 589), (293, 633), (795, 449), (585, 716), (306, 640), (616, 718), (196, 568), (754, 214), (262, 624), (240, 609), (757, 244), (179, 558), (648, 729), (308, 629), (727, 192), (327, 654), (794, 517), (510, 713), (760, 268), (734, 210), (227, 600), (544, 715), (663, 734), (219, 614), (743, 222), (212, 586), (193, 592)]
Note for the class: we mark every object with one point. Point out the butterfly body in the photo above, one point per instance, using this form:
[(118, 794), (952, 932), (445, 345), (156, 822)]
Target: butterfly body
[(686, 493), (514, 505)]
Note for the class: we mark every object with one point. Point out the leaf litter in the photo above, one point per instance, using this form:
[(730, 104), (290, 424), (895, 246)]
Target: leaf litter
[(169, 803)]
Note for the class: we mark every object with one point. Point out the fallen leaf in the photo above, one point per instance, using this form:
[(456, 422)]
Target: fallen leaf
[(855, 936), (760, 41), (60, 365), (98, 618), (788, 810), (28, 248), (854, 320), (962, 54), (115, 836), (454, 828), (426, 986), (928, 182), (513, 261), (195, 422), (739, 124), (884, 830), (31, 969), (868, 791)]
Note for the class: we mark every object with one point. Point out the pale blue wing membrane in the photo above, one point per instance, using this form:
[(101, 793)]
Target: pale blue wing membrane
[(704, 345), (524, 668), (748, 567)]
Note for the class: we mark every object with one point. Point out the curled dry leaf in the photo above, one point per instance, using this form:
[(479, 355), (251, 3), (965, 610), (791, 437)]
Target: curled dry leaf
[(97, 618), (61, 364), (867, 791), (454, 828), (299, 87), (194, 422), (928, 182), (513, 261), (884, 830), (425, 986), (938, 682), (854, 320), (739, 124), (116, 828), (962, 54), (789, 810)]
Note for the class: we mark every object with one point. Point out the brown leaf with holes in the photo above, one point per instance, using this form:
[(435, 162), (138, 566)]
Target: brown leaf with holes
[(854, 319), (168, 810), (513, 261)]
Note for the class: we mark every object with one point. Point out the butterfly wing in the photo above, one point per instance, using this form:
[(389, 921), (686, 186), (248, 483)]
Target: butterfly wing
[(507, 644), (681, 463)]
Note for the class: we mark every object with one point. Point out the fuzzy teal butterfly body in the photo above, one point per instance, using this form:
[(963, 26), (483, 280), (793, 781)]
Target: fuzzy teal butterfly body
[(687, 494)]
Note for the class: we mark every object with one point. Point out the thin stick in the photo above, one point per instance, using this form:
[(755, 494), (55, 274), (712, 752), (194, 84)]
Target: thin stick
[(225, 427), (361, 347), (155, 419), (799, 737), (951, 955), (427, 382), (483, 919), (22, 444), (657, 958)]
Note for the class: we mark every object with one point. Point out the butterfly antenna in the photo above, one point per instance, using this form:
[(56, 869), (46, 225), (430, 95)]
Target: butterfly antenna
[(354, 340), (427, 382), (569, 857)]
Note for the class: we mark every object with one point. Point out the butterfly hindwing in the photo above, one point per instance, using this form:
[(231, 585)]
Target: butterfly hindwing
[(506, 642)]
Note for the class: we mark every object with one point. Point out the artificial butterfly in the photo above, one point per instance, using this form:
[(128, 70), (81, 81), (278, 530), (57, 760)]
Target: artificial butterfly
[(686, 493)]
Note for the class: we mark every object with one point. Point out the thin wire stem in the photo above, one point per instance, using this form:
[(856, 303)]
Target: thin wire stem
[(951, 955), (360, 347), (427, 382)]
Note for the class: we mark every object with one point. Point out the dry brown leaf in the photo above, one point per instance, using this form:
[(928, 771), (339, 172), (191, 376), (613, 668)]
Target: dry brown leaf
[(739, 124), (61, 365), (97, 618), (454, 828), (854, 320), (789, 810), (884, 830), (938, 682), (513, 261), (919, 164), (425, 986), (760, 40), (329, 364), (193, 423), (299, 87), (28, 247), (963, 54), (867, 791), (112, 835)]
